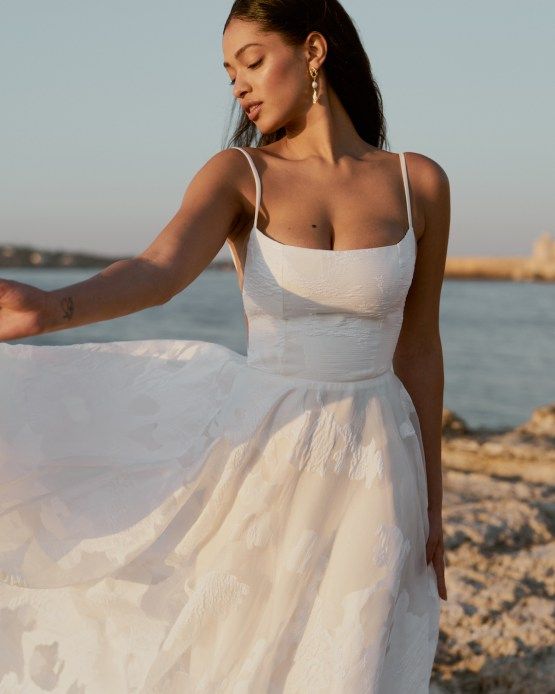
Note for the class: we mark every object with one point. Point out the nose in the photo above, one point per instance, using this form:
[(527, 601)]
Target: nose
[(240, 94), (239, 89)]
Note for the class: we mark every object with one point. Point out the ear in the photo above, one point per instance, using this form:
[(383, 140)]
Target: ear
[(316, 48)]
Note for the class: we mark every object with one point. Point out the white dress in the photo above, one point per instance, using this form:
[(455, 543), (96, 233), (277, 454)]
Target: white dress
[(176, 517)]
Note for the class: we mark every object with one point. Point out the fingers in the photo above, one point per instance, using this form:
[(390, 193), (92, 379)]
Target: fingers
[(439, 568), (435, 554), (430, 549), (431, 544)]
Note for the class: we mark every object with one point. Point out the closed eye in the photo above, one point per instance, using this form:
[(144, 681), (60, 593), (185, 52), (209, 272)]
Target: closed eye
[(251, 67)]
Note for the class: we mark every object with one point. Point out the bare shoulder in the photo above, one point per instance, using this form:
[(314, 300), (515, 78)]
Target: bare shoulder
[(229, 172), (223, 182), (225, 168), (426, 175), (432, 195)]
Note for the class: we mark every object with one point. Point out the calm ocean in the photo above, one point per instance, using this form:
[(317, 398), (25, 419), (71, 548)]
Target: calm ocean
[(498, 337)]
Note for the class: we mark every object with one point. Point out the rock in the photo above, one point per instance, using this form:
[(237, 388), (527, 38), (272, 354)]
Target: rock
[(525, 452), (496, 627), (541, 423), (452, 424)]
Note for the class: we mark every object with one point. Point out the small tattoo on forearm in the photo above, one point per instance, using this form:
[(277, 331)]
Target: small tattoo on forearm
[(67, 306)]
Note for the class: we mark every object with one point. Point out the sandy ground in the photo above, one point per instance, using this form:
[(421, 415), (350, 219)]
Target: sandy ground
[(497, 626)]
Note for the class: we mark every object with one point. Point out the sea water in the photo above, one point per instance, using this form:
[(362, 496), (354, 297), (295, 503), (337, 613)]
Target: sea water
[(498, 336)]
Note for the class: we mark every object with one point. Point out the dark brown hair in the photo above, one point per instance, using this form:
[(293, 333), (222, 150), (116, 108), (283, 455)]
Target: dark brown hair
[(347, 66)]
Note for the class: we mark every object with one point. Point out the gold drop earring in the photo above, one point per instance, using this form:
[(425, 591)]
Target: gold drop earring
[(314, 75)]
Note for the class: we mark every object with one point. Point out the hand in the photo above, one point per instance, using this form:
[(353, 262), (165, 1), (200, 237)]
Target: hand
[(435, 551), (23, 310)]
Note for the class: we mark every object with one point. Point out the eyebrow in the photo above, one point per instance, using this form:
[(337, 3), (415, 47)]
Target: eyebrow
[(244, 48)]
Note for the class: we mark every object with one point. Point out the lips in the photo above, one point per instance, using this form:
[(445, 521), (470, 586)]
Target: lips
[(252, 110)]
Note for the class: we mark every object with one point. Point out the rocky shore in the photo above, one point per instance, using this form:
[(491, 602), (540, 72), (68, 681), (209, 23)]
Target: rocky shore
[(497, 627), (29, 257)]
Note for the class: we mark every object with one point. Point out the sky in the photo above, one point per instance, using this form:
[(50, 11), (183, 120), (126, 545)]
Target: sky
[(110, 108)]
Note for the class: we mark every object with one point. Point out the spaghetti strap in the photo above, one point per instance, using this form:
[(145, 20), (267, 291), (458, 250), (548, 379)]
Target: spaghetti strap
[(257, 183), (406, 185)]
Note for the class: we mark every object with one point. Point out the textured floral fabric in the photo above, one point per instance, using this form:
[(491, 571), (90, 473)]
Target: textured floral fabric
[(177, 517)]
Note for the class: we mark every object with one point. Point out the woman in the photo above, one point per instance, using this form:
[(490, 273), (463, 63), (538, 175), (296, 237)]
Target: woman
[(180, 518)]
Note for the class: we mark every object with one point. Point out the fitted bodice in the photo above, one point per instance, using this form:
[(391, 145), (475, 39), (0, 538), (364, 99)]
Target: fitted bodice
[(324, 314)]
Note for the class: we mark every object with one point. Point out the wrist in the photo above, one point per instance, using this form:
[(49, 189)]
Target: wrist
[(57, 311)]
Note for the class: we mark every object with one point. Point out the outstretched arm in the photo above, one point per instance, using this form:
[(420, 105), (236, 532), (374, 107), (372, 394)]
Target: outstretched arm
[(209, 212)]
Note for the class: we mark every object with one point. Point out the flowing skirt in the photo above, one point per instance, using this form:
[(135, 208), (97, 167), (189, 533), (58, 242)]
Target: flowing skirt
[(173, 519)]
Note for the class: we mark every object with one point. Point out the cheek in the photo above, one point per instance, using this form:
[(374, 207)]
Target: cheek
[(284, 84)]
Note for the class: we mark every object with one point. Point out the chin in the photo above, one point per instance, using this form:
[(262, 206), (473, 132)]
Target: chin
[(263, 129), (266, 127)]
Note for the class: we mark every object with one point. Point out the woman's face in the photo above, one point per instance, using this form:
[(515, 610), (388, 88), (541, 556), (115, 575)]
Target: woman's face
[(265, 69)]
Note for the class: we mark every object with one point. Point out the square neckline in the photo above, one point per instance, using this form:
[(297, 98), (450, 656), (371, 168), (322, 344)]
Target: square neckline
[(259, 233), (333, 250)]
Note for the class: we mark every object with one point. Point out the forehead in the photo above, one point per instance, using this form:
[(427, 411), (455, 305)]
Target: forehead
[(240, 35)]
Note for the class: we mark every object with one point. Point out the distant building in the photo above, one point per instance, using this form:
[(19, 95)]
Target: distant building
[(543, 249), (541, 263)]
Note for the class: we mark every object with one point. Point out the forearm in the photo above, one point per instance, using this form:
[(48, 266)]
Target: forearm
[(124, 287), (422, 375)]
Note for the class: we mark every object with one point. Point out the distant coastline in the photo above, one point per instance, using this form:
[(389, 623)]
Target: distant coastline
[(538, 266)]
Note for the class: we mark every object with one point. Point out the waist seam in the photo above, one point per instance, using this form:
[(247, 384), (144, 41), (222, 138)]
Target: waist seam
[(359, 382)]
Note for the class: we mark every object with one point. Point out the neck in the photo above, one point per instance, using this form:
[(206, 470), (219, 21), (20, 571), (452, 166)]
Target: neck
[(325, 132)]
